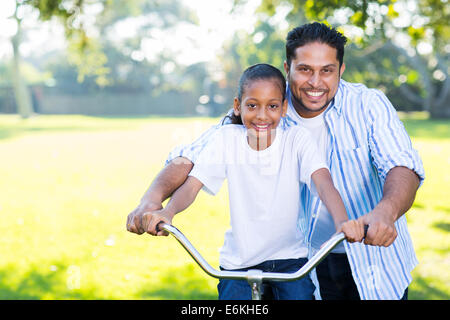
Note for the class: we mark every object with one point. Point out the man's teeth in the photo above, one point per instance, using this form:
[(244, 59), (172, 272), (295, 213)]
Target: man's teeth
[(314, 93)]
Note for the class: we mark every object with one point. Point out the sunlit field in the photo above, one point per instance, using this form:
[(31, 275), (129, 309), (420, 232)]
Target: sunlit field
[(68, 183)]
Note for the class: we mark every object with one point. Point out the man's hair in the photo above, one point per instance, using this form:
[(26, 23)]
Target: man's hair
[(314, 32), (260, 71)]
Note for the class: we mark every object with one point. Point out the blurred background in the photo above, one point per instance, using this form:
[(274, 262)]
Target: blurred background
[(179, 57), (95, 93)]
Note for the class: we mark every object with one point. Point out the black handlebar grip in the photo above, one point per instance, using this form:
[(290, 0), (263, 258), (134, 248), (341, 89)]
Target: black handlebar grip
[(157, 226), (366, 227)]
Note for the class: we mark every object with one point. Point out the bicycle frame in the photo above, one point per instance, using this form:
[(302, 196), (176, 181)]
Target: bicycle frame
[(254, 277)]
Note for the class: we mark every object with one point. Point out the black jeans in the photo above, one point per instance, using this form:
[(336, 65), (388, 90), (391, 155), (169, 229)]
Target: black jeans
[(336, 280)]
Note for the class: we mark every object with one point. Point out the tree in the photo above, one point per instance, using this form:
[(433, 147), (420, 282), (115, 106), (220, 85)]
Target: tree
[(68, 12), (414, 33), (21, 92), (95, 54), (263, 45)]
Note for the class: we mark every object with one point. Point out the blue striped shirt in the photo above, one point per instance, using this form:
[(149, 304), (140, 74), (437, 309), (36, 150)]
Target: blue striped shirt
[(367, 140)]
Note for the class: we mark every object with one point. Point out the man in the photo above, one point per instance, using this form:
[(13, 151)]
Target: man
[(371, 160)]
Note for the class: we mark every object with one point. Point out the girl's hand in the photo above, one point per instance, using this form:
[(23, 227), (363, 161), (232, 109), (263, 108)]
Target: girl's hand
[(151, 219), (353, 230)]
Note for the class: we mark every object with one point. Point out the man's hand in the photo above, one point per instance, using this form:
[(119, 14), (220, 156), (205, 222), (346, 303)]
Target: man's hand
[(134, 219), (150, 221), (382, 231)]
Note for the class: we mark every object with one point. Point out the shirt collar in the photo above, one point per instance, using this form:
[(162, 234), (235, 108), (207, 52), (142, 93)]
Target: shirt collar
[(338, 97)]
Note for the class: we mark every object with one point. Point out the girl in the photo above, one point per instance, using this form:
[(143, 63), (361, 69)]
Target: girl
[(266, 165)]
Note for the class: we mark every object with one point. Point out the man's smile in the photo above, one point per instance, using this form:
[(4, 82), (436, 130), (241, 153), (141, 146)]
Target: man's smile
[(314, 94)]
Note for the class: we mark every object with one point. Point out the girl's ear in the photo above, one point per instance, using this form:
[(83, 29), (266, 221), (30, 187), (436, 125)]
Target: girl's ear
[(284, 107), (237, 107)]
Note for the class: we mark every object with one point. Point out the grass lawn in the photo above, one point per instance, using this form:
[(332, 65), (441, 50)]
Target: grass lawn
[(68, 183)]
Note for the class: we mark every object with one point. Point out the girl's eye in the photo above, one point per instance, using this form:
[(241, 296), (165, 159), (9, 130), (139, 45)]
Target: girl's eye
[(251, 105), (273, 106)]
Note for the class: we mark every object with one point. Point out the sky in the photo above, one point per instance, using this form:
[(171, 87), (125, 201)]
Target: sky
[(215, 25)]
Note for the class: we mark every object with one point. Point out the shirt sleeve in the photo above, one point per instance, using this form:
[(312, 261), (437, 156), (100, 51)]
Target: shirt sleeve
[(389, 142), (210, 166), (192, 151), (309, 157)]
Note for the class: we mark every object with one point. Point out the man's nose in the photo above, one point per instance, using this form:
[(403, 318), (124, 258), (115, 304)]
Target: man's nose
[(314, 80)]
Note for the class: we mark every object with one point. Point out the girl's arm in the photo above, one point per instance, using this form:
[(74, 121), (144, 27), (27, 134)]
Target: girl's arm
[(180, 200), (333, 201)]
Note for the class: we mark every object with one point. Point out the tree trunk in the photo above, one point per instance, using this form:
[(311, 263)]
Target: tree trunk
[(21, 92), (441, 111)]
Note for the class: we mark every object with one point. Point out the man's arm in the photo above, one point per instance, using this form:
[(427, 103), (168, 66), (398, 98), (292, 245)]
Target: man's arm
[(166, 182), (399, 192), (181, 199), (398, 165)]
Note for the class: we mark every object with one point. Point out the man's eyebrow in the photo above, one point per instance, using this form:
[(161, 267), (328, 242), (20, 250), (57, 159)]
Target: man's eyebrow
[(325, 66)]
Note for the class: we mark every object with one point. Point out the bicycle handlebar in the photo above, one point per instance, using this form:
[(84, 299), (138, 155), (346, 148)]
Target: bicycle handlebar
[(256, 275)]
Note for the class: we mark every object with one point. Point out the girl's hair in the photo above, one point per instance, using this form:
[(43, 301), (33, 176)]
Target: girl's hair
[(260, 71)]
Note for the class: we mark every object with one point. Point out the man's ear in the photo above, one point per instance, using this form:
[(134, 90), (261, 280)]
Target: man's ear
[(342, 69), (237, 106), (286, 67), (284, 108)]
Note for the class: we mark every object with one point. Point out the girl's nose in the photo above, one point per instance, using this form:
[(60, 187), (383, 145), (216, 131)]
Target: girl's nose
[(261, 114)]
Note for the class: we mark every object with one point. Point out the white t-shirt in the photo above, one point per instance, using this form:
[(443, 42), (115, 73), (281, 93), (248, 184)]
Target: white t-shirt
[(264, 192), (324, 228)]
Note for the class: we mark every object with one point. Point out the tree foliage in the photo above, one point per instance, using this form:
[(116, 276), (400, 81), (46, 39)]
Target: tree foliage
[(399, 45), (99, 59)]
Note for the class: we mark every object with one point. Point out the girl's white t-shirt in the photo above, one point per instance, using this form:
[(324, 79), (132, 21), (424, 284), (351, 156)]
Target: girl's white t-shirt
[(264, 192)]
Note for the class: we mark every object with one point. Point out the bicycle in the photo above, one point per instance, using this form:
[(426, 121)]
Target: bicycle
[(254, 277)]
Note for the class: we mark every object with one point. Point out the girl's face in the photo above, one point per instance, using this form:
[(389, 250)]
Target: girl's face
[(261, 109)]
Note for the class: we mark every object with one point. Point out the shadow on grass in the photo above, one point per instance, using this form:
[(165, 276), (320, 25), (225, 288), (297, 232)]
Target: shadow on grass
[(442, 226), (421, 290), (15, 127), (181, 284), (8, 132), (35, 284), (11, 127)]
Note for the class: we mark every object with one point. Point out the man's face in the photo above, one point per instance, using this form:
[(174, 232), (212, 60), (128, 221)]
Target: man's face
[(313, 77)]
